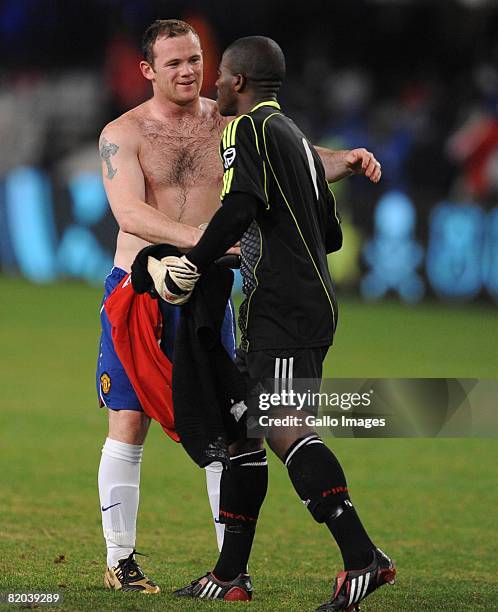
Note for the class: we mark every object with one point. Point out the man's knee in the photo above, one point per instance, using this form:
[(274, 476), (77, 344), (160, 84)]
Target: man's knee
[(277, 445), (129, 426), (281, 442), (246, 445), (243, 487)]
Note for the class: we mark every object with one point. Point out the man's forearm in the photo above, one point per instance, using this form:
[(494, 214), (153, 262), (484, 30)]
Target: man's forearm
[(152, 225), (334, 164), (175, 280), (225, 229)]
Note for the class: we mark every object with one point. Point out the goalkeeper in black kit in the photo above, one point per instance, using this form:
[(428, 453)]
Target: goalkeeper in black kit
[(276, 201)]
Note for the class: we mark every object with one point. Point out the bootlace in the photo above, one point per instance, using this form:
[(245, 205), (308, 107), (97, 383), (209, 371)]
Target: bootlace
[(130, 564)]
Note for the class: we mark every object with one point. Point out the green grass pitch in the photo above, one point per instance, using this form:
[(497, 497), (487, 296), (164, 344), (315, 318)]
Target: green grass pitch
[(430, 503)]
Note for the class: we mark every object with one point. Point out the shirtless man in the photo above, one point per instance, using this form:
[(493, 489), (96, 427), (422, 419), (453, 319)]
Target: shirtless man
[(162, 175)]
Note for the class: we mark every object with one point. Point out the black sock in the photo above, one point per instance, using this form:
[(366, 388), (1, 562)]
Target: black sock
[(355, 545), (242, 491), (319, 481), (237, 544)]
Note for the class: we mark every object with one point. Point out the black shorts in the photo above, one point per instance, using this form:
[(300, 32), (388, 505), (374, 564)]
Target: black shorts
[(281, 372), (282, 365)]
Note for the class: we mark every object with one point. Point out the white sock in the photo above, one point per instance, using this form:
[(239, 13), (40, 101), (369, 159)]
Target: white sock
[(119, 482), (213, 479)]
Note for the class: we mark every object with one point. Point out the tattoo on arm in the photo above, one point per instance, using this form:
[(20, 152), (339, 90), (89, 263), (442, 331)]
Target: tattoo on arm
[(107, 149)]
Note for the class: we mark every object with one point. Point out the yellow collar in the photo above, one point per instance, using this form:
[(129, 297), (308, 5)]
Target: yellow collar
[(268, 103)]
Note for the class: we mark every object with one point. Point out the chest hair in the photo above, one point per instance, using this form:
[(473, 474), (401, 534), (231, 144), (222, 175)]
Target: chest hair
[(183, 154)]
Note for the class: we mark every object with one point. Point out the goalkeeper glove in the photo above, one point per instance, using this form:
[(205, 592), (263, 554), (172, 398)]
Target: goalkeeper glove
[(174, 278)]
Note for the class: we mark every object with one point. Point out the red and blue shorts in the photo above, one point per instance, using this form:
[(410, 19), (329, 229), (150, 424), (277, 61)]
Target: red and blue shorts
[(121, 395)]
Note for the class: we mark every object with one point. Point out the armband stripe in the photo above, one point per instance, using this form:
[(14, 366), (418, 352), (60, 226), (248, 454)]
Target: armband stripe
[(229, 181), (225, 177), (225, 134), (232, 134)]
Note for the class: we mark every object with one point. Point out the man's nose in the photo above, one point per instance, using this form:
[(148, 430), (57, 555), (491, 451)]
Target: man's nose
[(187, 69)]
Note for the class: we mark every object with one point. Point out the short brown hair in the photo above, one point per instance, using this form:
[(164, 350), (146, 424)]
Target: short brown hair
[(168, 28)]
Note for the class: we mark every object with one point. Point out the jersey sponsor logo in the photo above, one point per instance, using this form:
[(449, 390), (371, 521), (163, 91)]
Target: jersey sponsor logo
[(105, 382), (229, 157)]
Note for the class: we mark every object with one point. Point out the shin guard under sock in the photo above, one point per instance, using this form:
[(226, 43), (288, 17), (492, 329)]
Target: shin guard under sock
[(213, 481), (243, 489), (320, 482), (119, 481)]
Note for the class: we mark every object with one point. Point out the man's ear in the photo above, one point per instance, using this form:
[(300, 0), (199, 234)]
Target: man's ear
[(239, 83), (147, 70)]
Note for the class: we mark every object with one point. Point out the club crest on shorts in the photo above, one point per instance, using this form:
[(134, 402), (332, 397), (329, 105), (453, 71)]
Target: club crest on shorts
[(228, 157), (105, 382)]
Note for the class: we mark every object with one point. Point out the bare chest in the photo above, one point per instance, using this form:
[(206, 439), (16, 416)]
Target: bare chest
[(182, 155)]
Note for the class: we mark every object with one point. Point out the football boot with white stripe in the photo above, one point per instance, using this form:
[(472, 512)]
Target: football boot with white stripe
[(128, 576), (209, 587), (353, 586)]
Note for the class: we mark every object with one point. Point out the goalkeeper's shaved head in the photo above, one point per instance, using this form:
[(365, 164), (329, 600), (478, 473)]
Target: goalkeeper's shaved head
[(252, 70), (259, 59)]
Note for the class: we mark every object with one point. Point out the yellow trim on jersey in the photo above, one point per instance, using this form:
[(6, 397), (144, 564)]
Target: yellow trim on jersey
[(228, 140), (231, 131), (225, 177), (224, 135), (267, 103), (231, 127), (229, 180), (259, 152), (231, 140), (264, 185), (294, 218)]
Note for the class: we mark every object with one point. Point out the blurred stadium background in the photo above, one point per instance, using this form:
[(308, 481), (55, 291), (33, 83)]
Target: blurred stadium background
[(414, 81)]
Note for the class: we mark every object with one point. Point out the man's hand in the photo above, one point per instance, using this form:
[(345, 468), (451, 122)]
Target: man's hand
[(361, 161), (339, 164), (174, 278), (235, 250)]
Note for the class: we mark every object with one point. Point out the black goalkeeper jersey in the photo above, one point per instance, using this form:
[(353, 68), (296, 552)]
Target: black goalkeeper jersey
[(289, 299)]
